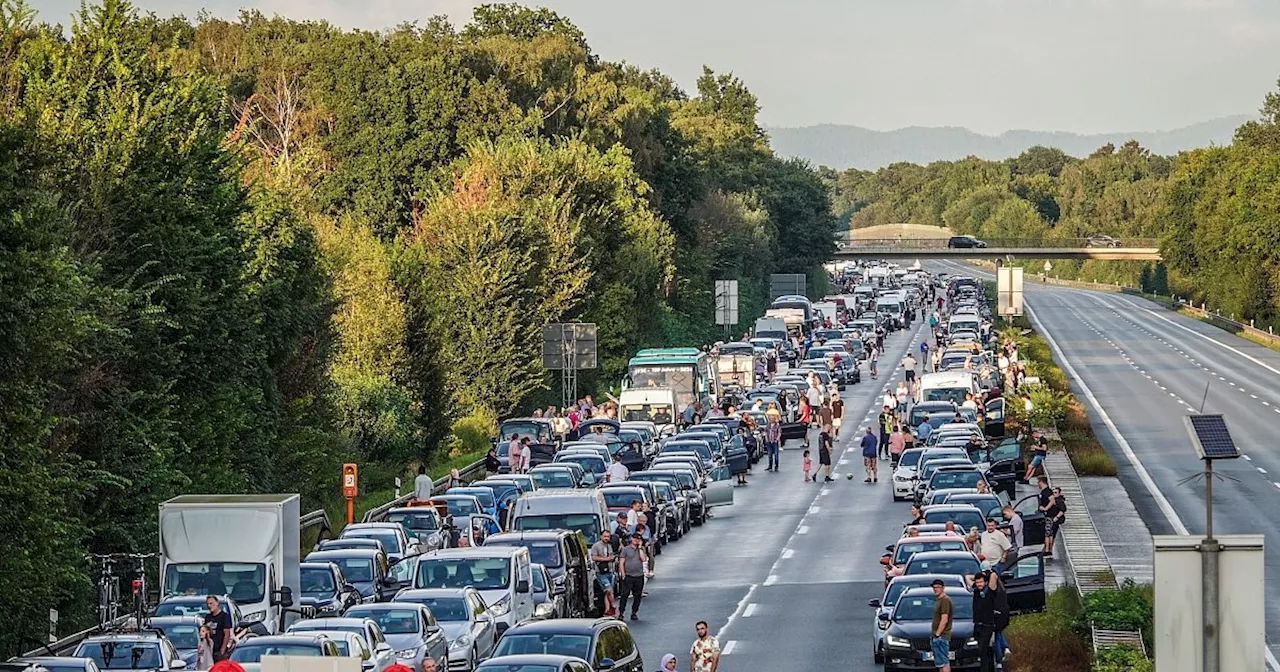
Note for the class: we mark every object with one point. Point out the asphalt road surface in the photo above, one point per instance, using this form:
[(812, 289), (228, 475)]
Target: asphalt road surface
[(783, 576), (1147, 367)]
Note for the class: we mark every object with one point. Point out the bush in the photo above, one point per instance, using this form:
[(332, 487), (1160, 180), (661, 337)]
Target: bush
[(1121, 659), (474, 433), (1087, 455), (1130, 607), (1048, 641)]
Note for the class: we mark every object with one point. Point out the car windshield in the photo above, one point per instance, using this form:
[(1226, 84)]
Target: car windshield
[(413, 520), (656, 412), (900, 586), (906, 550), (955, 479), (910, 458), (354, 569), (462, 507), (552, 479), (246, 583), (249, 652), (952, 394), (519, 667), (390, 540), (317, 581), (962, 565), (485, 496), (186, 607), (585, 523), (931, 466), (121, 655), (515, 644), (920, 608), (392, 620), (545, 553), (182, 635), (479, 573), (443, 608)]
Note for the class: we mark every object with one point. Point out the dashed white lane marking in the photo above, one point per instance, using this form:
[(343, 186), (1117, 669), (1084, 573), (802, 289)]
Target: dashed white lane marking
[(1247, 458), (788, 553), (771, 579), (1261, 470), (804, 529), (814, 509), (751, 609), (728, 647)]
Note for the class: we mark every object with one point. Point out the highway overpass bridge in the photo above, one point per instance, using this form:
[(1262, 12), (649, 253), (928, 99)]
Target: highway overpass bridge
[(1009, 249)]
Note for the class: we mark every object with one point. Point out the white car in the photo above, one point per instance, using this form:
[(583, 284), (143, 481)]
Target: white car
[(381, 655), (904, 486)]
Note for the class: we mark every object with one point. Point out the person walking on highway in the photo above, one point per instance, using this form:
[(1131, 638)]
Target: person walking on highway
[(869, 449), (632, 564), (897, 444), (909, 371), (602, 555), (218, 621), (668, 663), (806, 418), (704, 655), (837, 413), (617, 472), (773, 438), (422, 484)]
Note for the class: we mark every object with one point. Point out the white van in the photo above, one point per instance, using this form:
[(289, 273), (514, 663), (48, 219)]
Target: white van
[(575, 510), (502, 575), (960, 322), (948, 386)]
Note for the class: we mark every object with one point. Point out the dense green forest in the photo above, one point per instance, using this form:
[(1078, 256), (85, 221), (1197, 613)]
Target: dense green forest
[(235, 254), (1214, 210)]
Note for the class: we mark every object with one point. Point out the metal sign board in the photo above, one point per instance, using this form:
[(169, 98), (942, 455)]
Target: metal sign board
[(1009, 290), (569, 345), (726, 302), (1179, 608), (784, 284)]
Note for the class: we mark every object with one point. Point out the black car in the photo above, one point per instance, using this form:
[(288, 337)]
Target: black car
[(694, 511), (567, 559), (325, 588), (542, 441), (907, 643), (366, 569), (605, 643), (964, 242), (535, 663)]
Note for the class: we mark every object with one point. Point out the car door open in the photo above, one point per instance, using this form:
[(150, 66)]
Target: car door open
[(719, 490), (1024, 583)]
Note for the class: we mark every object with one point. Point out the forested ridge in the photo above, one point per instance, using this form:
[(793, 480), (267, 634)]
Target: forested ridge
[(235, 254), (1215, 211)]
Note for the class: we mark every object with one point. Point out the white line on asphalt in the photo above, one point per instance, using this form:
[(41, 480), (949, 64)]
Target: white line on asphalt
[(728, 647), (1215, 341), (804, 529), (751, 609), (815, 509), (787, 553), (741, 604), (1261, 470), (1165, 507), (1247, 457), (771, 579)]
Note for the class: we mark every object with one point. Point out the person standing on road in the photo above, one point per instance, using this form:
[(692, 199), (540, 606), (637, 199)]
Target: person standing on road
[(885, 426), (869, 449), (940, 633), (824, 455), (204, 650), (218, 621), (631, 568), (1001, 646), (826, 418), (491, 463), (873, 356), (984, 621), (515, 454), (897, 444), (602, 555), (909, 371), (422, 485), (1039, 449), (704, 655), (1054, 516), (994, 547), (837, 413), (900, 397), (772, 438), (806, 418), (617, 472), (936, 358)]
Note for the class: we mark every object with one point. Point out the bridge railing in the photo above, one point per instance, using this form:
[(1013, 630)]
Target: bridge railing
[(1011, 243)]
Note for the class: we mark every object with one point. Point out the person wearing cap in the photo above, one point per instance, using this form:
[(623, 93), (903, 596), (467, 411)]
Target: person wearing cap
[(940, 632)]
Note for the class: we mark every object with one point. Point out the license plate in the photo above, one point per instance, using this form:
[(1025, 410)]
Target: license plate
[(928, 655)]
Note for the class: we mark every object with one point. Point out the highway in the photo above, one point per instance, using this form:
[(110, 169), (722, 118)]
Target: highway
[(1143, 368), (783, 576)]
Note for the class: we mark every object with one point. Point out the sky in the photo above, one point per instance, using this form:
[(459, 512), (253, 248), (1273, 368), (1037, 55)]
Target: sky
[(1087, 66)]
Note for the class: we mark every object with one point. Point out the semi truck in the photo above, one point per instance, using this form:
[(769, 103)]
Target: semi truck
[(243, 546)]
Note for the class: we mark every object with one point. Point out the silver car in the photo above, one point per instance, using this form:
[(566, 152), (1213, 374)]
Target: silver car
[(382, 656), (465, 619), (410, 629)]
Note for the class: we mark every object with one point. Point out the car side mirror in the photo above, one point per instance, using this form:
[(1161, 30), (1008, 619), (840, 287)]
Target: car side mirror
[(348, 587), (382, 648), (605, 664), (178, 664), (283, 597), (522, 586), (874, 603)]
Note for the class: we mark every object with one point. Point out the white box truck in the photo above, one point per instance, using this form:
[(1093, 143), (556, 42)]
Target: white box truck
[(243, 546)]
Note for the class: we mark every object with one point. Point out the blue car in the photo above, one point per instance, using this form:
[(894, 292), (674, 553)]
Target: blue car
[(487, 500)]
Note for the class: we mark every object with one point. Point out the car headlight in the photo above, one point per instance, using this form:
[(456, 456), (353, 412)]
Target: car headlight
[(254, 616), (462, 642), (502, 608), (901, 479), (900, 642), (544, 610), (407, 653), (971, 644)]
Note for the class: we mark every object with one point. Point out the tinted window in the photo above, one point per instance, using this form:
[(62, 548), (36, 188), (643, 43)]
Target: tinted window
[(963, 519), (413, 521), (955, 479), (619, 497), (393, 621), (906, 550), (317, 581), (957, 565), (585, 523), (248, 652), (514, 644), (539, 582), (920, 608), (443, 608), (183, 636), (545, 553), (552, 479)]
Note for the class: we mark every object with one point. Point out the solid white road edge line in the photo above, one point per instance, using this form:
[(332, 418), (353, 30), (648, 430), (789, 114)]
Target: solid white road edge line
[(738, 610)]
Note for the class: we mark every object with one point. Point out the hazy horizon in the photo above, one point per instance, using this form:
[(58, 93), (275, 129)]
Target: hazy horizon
[(990, 66)]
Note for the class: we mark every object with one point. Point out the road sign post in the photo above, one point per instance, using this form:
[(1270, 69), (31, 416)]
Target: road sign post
[(568, 347), (726, 304)]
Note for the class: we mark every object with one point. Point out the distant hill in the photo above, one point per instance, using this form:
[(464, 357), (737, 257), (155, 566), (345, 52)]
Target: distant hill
[(841, 147)]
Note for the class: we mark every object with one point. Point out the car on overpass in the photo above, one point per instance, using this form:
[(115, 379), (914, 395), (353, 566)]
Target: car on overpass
[(1102, 241), (964, 242)]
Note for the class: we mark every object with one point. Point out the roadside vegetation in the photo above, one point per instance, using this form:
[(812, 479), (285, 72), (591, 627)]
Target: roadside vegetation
[(235, 254), (1209, 208), (1059, 639)]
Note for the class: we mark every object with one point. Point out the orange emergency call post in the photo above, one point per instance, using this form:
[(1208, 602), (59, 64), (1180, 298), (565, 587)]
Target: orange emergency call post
[(350, 488)]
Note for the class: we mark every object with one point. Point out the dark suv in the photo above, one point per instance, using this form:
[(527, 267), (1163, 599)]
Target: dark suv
[(606, 643), (964, 242), (567, 559)]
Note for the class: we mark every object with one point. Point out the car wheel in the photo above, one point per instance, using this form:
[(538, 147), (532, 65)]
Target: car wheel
[(878, 656)]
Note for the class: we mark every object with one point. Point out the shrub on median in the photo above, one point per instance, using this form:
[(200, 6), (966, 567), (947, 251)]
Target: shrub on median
[(1048, 640), (1121, 659), (1129, 607)]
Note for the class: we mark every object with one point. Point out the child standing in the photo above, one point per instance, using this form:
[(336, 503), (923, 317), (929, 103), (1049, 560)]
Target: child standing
[(808, 465), (204, 655)]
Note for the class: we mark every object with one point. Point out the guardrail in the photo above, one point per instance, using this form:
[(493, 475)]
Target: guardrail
[(1025, 243), (467, 474), (68, 644), (1228, 324), (318, 518)]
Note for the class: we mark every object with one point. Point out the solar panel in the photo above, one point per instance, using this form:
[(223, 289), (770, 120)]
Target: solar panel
[(1210, 437)]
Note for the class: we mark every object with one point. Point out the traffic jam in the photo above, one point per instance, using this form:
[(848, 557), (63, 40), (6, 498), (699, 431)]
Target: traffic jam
[(541, 564)]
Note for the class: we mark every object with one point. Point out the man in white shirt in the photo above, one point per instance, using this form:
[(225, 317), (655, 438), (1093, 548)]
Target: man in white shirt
[(815, 397), (993, 546), (617, 472), (422, 485)]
